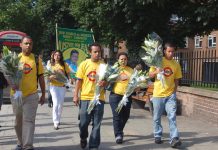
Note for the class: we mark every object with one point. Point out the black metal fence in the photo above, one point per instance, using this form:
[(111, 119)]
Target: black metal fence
[(199, 68)]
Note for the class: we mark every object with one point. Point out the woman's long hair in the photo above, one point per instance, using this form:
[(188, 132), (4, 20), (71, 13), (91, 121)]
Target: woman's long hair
[(61, 62)]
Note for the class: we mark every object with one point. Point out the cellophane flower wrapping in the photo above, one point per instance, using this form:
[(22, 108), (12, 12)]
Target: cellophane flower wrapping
[(13, 71), (153, 54), (59, 76), (105, 73), (138, 79)]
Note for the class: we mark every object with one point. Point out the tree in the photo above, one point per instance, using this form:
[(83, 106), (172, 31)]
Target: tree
[(37, 18), (133, 20), (51, 12)]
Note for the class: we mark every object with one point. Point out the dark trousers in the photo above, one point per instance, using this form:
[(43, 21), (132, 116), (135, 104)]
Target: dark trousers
[(96, 117), (119, 120), (49, 97)]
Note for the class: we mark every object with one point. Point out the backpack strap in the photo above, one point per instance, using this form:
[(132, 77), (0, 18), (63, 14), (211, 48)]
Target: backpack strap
[(37, 68)]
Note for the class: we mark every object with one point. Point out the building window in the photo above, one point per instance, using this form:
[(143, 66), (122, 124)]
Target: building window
[(198, 42), (211, 41)]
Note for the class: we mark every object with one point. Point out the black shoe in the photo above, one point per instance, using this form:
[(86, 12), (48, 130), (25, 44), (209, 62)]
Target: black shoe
[(83, 143), (175, 142), (50, 105), (18, 147), (119, 139), (158, 140)]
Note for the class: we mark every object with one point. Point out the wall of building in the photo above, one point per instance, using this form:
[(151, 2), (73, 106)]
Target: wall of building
[(199, 103), (191, 43)]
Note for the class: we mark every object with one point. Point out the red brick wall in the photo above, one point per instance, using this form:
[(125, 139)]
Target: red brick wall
[(199, 103)]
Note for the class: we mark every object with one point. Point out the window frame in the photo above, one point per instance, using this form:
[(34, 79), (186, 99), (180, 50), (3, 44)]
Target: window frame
[(199, 43), (211, 37)]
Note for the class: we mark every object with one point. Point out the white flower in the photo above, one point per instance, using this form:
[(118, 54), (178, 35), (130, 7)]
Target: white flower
[(101, 71)]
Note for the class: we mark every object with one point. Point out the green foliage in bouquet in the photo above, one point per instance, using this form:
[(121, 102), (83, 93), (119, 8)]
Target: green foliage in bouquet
[(59, 76), (153, 50), (11, 66), (138, 79)]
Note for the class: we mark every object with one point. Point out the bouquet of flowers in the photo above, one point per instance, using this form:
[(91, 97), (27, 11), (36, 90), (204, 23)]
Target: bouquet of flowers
[(153, 54), (59, 76), (105, 73), (138, 79), (13, 70)]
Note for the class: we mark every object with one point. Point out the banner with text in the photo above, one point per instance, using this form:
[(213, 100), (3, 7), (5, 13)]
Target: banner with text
[(74, 39)]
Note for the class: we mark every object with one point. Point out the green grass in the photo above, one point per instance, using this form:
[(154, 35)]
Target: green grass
[(206, 87)]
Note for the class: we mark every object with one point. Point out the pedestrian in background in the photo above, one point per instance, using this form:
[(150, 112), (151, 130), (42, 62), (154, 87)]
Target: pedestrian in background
[(3, 84), (48, 66)]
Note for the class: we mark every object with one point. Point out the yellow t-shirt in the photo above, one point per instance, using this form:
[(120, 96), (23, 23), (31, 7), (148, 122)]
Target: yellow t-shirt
[(87, 73), (121, 85), (29, 82), (172, 70), (59, 67)]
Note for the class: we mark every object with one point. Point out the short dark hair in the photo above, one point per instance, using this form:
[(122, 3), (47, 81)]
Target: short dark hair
[(27, 37), (122, 53), (73, 52), (169, 44), (94, 44)]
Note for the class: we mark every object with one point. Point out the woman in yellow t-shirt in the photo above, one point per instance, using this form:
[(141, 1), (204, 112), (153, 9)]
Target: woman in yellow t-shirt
[(57, 89), (120, 119)]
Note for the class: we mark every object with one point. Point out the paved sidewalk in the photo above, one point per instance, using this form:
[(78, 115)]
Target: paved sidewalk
[(195, 134)]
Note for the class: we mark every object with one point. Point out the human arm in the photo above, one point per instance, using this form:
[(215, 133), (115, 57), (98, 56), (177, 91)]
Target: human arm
[(176, 84), (42, 86), (76, 91), (178, 76), (41, 81), (153, 73)]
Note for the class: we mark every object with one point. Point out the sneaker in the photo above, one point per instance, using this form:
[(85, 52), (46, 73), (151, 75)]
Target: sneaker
[(158, 140), (56, 127), (175, 142), (119, 139), (18, 147), (83, 143)]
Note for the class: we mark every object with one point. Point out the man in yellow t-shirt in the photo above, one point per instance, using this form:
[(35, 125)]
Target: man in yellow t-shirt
[(25, 119), (164, 97), (86, 83)]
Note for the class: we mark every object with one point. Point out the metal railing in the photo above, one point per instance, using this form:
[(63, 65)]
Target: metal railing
[(199, 68)]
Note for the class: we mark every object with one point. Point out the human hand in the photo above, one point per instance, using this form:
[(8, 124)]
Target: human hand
[(158, 70), (76, 100), (102, 83), (52, 77), (14, 87), (137, 89), (42, 99)]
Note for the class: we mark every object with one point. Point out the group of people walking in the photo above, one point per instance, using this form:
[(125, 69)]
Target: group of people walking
[(85, 83)]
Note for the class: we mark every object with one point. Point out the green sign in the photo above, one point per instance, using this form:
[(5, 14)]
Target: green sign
[(73, 39)]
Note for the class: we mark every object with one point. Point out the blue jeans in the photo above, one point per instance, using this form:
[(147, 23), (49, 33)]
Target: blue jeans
[(119, 120), (96, 117), (169, 104), (1, 97)]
